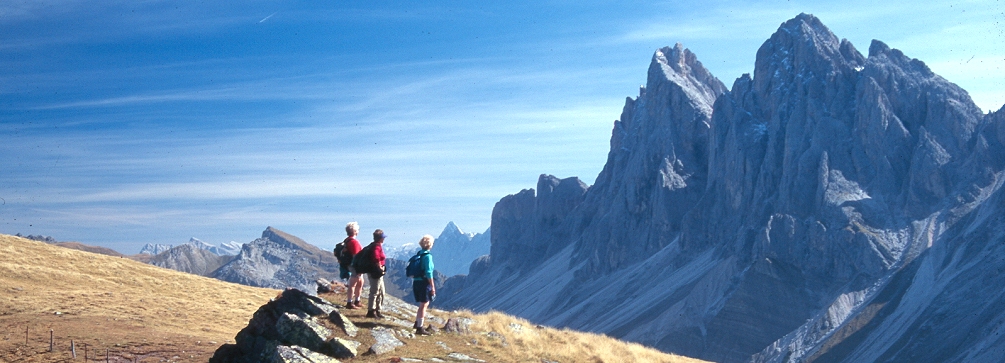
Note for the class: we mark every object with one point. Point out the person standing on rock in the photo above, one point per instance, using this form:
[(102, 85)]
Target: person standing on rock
[(423, 286), (354, 287), (376, 274)]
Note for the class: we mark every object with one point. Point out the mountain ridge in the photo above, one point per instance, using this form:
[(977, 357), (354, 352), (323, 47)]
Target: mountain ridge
[(759, 224)]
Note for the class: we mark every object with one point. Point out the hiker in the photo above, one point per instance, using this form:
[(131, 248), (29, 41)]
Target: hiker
[(376, 275), (423, 286), (351, 247)]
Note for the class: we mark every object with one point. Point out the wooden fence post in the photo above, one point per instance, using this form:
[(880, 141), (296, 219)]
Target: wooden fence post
[(50, 341)]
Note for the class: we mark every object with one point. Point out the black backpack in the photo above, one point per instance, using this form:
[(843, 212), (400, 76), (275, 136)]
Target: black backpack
[(342, 255), (339, 248), (364, 261)]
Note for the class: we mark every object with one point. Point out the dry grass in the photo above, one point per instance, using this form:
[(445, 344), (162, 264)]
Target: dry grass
[(143, 312), (535, 343), (497, 337), (113, 303)]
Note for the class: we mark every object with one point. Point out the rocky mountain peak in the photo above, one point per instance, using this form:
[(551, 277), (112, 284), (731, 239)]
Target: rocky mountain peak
[(451, 229), (680, 67), (279, 260)]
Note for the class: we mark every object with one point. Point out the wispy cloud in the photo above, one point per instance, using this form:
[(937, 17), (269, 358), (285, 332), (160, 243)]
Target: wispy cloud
[(267, 17)]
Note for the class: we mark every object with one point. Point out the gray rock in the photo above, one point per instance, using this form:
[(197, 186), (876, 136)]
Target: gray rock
[(302, 331), (385, 341), (463, 357), (296, 354), (457, 326), (288, 320), (342, 348), (343, 322)]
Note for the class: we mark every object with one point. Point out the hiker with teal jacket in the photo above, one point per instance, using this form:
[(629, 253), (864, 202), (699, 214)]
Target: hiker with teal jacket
[(423, 286)]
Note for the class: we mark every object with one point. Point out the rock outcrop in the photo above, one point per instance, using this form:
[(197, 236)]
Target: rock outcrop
[(288, 327), (279, 260), (829, 207)]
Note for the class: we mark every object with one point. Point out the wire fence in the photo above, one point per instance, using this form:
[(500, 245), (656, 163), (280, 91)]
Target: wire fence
[(63, 349)]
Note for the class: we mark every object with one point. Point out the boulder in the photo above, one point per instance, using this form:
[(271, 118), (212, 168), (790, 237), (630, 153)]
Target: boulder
[(457, 326), (386, 342)]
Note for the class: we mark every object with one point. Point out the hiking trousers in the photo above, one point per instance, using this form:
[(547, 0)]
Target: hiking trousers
[(376, 292)]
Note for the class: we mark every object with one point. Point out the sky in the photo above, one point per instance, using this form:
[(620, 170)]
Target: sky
[(133, 122)]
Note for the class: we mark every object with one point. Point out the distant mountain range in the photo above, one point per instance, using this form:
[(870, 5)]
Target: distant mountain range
[(453, 251), (224, 249), (830, 207)]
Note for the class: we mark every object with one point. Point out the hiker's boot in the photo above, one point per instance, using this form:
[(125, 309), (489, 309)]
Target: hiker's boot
[(358, 305), (378, 314), (350, 305), (371, 314), (421, 331)]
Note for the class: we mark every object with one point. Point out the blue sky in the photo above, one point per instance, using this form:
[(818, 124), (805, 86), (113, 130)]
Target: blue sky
[(128, 122)]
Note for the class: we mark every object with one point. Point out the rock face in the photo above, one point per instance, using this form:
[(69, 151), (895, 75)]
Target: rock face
[(831, 207), (279, 260), (191, 259)]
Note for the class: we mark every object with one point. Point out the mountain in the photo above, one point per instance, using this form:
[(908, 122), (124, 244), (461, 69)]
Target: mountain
[(453, 250), (190, 258), (154, 249), (830, 207), (224, 249), (279, 260)]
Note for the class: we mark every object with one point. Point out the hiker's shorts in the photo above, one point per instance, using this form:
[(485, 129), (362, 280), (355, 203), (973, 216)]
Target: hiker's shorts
[(422, 290)]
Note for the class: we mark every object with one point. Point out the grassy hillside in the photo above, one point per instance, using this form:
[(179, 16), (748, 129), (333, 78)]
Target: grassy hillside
[(151, 314), (128, 307)]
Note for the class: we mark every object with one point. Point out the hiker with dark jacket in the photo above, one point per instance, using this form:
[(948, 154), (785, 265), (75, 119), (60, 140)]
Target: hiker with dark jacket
[(354, 287), (423, 286), (376, 275)]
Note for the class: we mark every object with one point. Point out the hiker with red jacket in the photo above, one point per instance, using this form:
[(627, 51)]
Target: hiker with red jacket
[(355, 284), (372, 258)]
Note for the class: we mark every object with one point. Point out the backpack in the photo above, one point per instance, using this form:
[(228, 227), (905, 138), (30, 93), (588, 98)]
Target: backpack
[(342, 255), (338, 253), (414, 268), (364, 261)]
